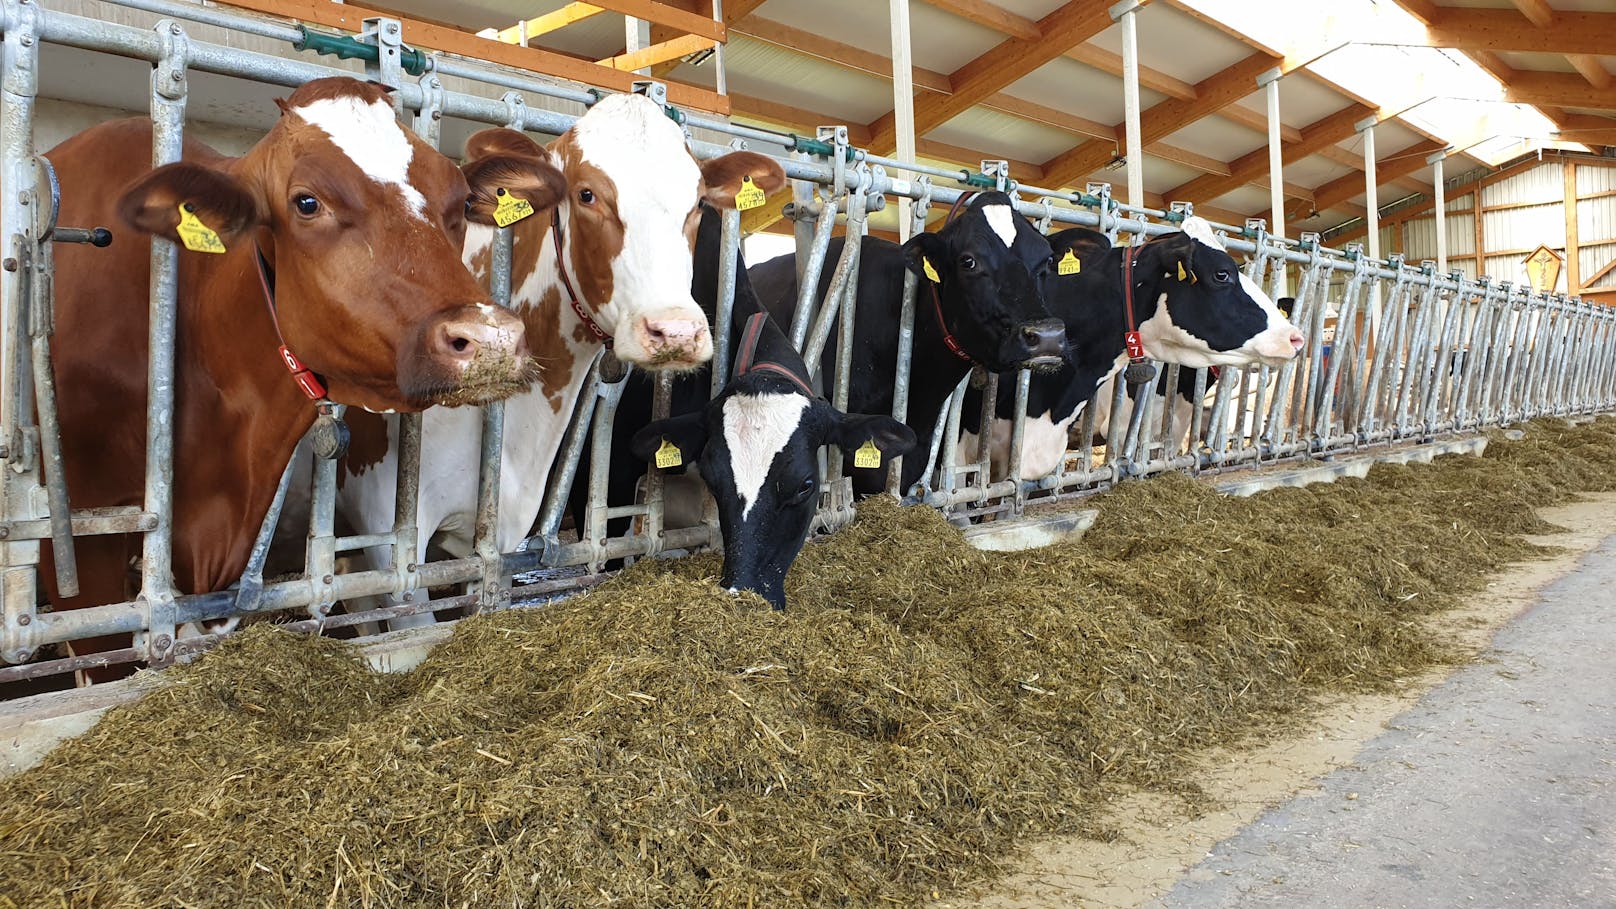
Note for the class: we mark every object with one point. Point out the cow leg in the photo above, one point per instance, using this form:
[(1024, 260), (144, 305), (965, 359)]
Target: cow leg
[(104, 577)]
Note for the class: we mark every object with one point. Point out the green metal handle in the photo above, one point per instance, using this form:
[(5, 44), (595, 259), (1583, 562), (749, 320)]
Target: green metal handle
[(982, 181), (819, 147), (346, 48)]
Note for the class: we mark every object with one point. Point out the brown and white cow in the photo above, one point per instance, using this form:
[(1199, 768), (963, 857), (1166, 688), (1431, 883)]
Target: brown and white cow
[(360, 225), (628, 227)]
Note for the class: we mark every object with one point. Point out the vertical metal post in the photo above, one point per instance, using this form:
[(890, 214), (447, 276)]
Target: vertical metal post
[(729, 251), (1439, 195), (168, 91), (19, 478), (720, 74), (1125, 13), (492, 590), (906, 336), (903, 100), (1372, 201), (1276, 166), (636, 36)]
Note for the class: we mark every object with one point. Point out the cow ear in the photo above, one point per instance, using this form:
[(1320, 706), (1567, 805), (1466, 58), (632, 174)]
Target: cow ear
[(725, 176), (1286, 305), (922, 254), (1088, 246), (1172, 257), (500, 178), (851, 432), (674, 442), (489, 143), (213, 199)]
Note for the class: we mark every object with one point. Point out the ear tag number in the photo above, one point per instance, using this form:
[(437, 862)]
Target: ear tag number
[(867, 455), (669, 455), (931, 273), (1069, 264), (750, 195), (510, 209), (196, 236)]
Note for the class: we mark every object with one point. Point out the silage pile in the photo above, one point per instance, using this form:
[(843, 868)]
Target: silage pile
[(921, 710)]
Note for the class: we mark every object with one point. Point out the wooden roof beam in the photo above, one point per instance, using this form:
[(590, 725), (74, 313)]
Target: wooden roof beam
[(1247, 168), (1503, 30), (1559, 90), (809, 44), (1212, 94), (1068, 26), (1537, 11), (1592, 70), (1341, 189), (988, 15)]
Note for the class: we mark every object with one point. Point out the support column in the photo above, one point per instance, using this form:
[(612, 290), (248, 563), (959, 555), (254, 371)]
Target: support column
[(636, 36), (1372, 201), (903, 102), (1124, 13), (1276, 168), (1440, 206)]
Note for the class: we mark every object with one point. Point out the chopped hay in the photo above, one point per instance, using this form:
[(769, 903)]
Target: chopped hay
[(920, 711)]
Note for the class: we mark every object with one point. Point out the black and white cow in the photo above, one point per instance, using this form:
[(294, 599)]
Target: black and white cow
[(980, 301), (1191, 305), (757, 448)]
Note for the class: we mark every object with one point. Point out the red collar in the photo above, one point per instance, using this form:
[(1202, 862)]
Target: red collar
[(948, 336), (745, 362), (572, 296), (306, 380)]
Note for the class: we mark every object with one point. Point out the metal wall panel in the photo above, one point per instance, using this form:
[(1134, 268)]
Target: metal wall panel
[(1524, 228), (1591, 259), (1540, 184)]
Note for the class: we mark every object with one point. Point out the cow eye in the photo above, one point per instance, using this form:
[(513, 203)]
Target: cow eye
[(306, 205), (1222, 277), (967, 263), (804, 491), (586, 196)]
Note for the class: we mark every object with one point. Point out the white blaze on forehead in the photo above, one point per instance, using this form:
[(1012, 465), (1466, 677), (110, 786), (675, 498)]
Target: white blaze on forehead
[(368, 134), (1201, 229), (1003, 222), (756, 428)]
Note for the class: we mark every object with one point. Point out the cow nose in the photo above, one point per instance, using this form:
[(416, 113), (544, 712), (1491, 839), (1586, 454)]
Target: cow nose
[(1297, 341), (1045, 338), (666, 339), (490, 333)]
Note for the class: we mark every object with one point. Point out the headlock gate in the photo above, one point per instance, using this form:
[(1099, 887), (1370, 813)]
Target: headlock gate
[(1394, 353)]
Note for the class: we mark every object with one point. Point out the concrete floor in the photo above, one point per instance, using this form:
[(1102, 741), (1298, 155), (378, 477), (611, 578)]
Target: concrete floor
[(1498, 789)]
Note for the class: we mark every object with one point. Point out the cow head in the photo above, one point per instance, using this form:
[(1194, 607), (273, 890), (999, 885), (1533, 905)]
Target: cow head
[(988, 267), (757, 445), (360, 224), (1195, 306), (629, 219)]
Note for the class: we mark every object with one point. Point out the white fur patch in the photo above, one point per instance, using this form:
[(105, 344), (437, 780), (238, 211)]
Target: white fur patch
[(1201, 229), (756, 428), (368, 134), (1002, 220)]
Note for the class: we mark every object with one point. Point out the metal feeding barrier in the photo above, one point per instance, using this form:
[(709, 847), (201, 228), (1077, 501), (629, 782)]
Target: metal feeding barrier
[(1394, 353)]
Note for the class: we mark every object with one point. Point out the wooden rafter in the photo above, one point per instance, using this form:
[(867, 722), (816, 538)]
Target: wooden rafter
[(1069, 25), (809, 44), (1398, 164), (988, 15), (1316, 136), (738, 10), (1559, 90), (1539, 12), (1592, 70), (1212, 94), (1508, 30)]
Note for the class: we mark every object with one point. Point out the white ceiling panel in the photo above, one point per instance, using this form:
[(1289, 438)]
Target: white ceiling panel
[(1010, 136), (1217, 138), (1176, 44)]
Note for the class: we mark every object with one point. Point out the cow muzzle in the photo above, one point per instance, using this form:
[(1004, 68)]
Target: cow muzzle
[(672, 341), (1043, 343), (476, 354), (1277, 345)]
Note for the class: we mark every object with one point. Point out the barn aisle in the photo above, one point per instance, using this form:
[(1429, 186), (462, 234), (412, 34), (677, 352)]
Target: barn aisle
[(1497, 789)]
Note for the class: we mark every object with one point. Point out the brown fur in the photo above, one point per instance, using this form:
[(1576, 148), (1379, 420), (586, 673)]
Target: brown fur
[(721, 177)]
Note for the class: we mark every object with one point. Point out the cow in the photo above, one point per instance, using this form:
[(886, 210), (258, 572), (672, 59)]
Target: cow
[(1190, 303), (293, 262), (624, 230), (756, 447), (980, 302)]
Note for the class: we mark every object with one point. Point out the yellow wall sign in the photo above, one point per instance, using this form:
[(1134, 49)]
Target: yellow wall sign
[(1543, 269)]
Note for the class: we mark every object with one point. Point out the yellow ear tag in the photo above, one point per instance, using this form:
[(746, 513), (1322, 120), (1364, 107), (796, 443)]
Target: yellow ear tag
[(1069, 264), (1181, 274), (196, 236), (750, 195), (669, 455), (931, 273), (867, 455), (510, 209)]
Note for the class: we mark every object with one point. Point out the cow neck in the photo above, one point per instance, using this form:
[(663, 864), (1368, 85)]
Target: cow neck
[(566, 282), (949, 340), (307, 381), (746, 358)]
